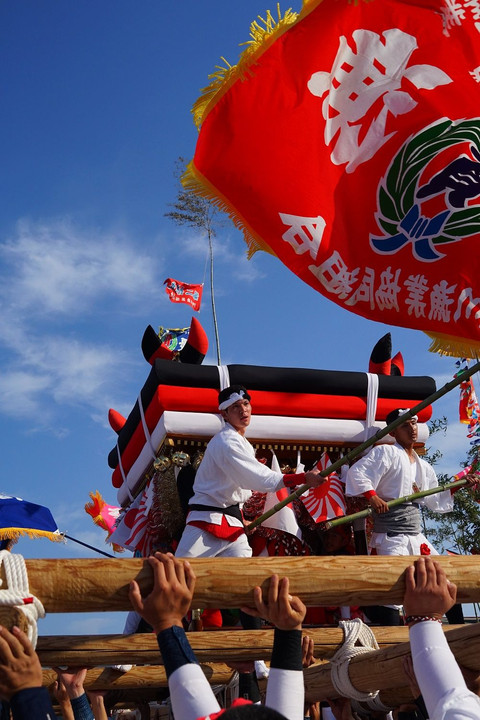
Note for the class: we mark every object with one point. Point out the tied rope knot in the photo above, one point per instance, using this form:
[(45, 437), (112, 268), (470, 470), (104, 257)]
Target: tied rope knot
[(17, 594), (354, 631)]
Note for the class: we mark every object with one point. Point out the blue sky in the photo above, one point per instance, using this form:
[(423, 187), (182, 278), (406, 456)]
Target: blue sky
[(96, 108)]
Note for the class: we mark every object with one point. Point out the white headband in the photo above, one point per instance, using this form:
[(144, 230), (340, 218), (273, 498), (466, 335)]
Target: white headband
[(233, 398), (402, 412)]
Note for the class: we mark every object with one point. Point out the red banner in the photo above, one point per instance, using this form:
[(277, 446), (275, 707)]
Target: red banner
[(180, 292), (347, 142)]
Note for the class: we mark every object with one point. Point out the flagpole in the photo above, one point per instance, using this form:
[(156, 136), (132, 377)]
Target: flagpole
[(459, 378), (90, 547), (212, 295), (392, 503)]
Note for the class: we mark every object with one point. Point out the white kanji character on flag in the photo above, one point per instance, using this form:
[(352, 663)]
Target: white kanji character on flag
[(364, 74)]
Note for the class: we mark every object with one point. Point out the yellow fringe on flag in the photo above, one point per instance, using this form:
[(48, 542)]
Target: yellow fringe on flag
[(14, 533), (193, 181), (454, 346), (262, 34)]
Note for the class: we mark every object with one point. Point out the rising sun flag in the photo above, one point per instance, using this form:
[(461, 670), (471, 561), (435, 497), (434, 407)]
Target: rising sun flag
[(346, 142)]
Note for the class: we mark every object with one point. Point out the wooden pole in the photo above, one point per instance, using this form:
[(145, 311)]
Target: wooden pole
[(383, 670), (79, 585), (210, 646), (378, 670), (460, 377), (140, 677)]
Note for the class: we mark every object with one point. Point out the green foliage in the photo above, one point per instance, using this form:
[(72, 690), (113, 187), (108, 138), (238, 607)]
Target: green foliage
[(192, 209), (458, 530)]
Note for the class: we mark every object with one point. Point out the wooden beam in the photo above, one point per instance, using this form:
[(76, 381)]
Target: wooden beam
[(379, 670), (79, 585), (213, 646), (383, 670), (140, 677)]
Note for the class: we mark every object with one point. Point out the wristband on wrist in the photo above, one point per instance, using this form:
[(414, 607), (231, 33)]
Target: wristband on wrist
[(414, 619), (293, 479)]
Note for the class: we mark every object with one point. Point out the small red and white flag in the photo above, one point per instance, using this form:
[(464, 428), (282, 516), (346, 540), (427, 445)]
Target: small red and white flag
[(327, 500), (132, 530), (285, 518), (140, 538), (180, 292)]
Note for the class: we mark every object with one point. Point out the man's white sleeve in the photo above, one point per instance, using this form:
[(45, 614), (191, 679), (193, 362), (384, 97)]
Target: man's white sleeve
[(286, 693), (191, 694), (439, 677)]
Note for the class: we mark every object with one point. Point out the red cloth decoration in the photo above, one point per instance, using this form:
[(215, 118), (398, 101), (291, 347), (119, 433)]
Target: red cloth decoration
[(339, 143), (223, 531), (235, 703), (327, 500), (180, 292)]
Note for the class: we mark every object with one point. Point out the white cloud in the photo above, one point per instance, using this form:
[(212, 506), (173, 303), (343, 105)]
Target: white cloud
[(59, 268), (55, 281), (19, 391), (69, 372)]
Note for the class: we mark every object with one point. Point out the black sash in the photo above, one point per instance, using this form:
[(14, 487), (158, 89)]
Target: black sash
[(232, 510)]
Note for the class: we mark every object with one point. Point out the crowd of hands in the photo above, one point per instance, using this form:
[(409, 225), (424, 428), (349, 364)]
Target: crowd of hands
[(428, 592)]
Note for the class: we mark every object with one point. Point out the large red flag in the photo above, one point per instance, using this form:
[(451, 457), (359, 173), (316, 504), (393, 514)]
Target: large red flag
[(347, 142), (180, 292)]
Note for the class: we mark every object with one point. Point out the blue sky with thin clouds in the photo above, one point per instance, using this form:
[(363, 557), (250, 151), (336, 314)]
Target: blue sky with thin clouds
[(96, 100)]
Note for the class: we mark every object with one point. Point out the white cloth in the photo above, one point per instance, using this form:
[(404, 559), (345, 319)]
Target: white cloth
[(228, 474), (400, 544), (196, 543), (438, 675), (192, 696), (286, 693), (387, 470)]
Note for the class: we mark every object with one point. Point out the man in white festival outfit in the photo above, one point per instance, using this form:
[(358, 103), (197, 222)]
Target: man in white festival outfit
[(388, 472), (227, 475)]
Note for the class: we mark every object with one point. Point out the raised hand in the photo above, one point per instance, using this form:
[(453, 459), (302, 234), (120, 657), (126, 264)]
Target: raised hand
[(171, 597), (428, 591), (283, 610)]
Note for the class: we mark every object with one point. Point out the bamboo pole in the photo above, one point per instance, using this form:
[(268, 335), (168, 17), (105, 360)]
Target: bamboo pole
[(383, 670), (211, 646), (393, 503), (460, 377), (92, 585), (140, 677)]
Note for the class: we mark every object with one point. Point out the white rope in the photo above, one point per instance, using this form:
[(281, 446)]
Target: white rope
[(17, 594), (146, 432), (372, 398), (355, 631), (374, 704), (224, 376)]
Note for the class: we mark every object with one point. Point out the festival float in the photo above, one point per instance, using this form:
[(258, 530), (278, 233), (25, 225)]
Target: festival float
[(300, 417)]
